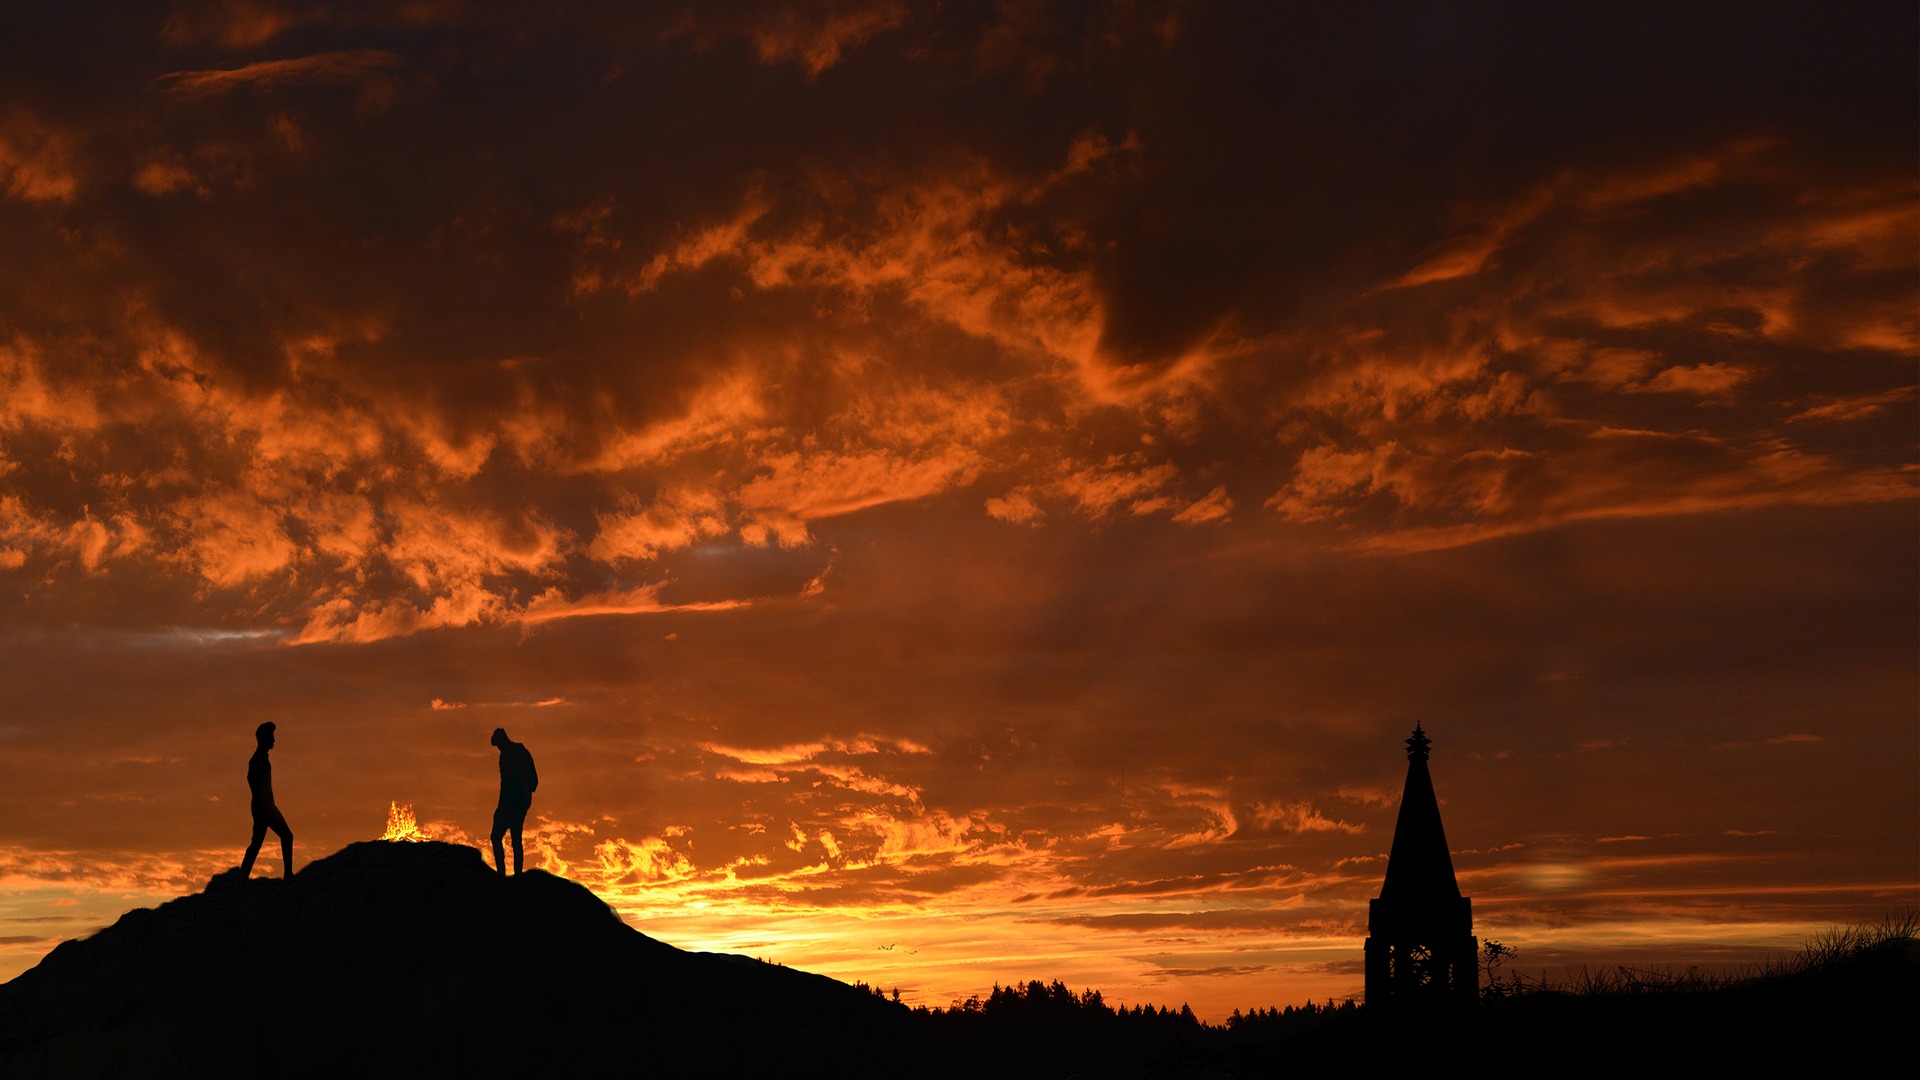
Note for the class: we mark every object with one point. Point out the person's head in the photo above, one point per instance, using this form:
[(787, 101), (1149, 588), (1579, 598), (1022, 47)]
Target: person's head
[(500, 737), (264, 734)]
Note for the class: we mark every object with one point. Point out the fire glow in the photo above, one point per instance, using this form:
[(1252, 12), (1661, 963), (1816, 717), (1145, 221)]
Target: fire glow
[(401, 825)]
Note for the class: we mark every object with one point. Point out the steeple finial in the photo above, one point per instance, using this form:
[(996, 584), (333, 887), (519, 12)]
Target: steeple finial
[(1417, 744)]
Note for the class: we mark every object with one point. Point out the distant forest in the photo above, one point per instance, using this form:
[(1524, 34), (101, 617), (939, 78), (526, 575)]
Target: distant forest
[(1048, 1020)]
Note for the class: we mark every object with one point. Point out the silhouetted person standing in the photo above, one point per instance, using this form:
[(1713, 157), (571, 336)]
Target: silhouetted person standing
[(517, 782), (265, 814)]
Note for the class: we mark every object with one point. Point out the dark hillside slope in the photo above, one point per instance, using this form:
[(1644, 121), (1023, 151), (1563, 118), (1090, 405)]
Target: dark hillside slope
[(418, 960)]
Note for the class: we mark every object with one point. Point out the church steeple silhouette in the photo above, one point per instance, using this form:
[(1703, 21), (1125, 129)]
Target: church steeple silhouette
[(1420, 943)]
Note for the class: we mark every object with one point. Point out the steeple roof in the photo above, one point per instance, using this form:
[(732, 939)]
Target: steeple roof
[(1419, 868)]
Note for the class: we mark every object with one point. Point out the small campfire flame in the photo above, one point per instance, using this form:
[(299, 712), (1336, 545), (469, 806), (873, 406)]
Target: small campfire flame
[(401, 826)]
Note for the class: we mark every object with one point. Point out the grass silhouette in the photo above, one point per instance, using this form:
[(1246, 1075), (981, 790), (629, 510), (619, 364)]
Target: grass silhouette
[(1836, 952)]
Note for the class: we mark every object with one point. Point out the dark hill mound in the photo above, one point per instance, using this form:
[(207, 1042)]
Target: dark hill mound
[(409, 960)]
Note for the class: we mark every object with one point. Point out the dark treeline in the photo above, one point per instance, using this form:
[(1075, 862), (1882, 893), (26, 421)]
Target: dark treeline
[(1046, 1029)]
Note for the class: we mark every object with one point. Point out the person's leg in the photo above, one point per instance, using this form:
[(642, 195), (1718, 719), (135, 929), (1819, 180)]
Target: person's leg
[(500, 830), (253, 848), (519, 855), (279, 825)]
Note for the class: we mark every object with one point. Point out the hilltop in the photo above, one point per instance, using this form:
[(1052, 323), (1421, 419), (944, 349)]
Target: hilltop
[(416, 959)]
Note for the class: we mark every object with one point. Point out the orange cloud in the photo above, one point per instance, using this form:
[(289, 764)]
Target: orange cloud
[(1299, 817), (1701, 380), (1858, 407), (1471, 415), (724, 409), (676, 520), (37, 163), (551, 605), (233, 23), (233, 539), (813, 36), (1016, 507), (372, 68)]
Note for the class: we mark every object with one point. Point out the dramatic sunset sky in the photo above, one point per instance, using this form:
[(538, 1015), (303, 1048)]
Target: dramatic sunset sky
[(980, 491)]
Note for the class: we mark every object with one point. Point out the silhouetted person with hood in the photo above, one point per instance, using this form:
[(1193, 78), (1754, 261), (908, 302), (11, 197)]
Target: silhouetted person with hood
[(517, 782), (265, 814)]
